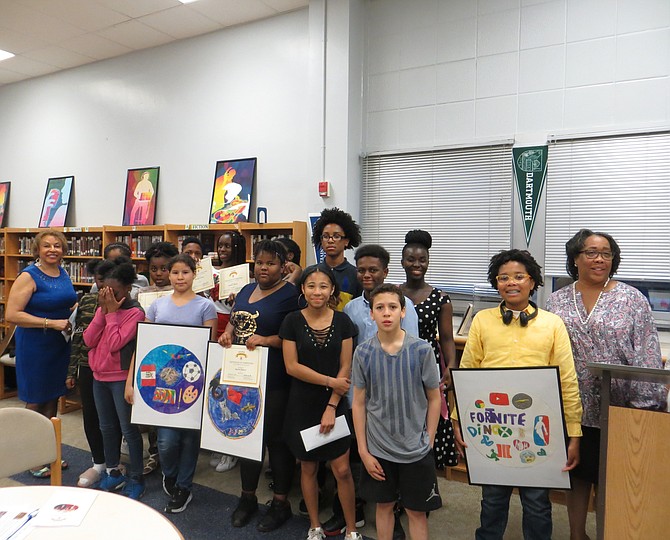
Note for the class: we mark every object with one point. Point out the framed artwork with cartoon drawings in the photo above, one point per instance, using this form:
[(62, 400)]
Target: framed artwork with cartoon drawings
[(139, 206), (56, 202), (169, 376), (4, 202), (512, 422), (233, 187), (232, 419)]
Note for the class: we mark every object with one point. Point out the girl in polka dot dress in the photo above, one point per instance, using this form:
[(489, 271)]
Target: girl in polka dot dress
[(435, 314)]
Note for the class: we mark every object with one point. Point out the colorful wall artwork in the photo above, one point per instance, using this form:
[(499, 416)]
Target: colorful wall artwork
[(140, 201), (170, 363), (4, 202), (233, 186), (512, 421), (232, 422), (56, 202)]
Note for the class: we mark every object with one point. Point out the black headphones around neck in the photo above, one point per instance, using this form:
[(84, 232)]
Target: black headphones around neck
[(508, 314)]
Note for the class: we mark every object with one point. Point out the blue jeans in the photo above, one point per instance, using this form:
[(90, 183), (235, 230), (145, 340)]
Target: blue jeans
[(178, 452), (114, 411), (536, 523)]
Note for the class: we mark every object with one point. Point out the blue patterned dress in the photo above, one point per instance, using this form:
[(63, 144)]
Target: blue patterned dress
[(42, 356)]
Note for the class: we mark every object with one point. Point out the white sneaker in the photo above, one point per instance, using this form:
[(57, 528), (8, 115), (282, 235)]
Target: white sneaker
[(316, 534), (214, 460), (353, 535), (227, 463)]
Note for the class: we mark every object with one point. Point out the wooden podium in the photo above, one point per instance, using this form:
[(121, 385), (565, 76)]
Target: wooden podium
[(634, 470)]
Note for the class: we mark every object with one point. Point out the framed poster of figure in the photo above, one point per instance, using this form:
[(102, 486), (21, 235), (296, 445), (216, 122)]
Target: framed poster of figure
[(233, 187), (232, 420), (512, 422), (4, 202), (56, 201), (139, 206), (169, 376)]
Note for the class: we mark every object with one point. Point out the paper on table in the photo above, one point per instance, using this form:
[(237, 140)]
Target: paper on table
[(312, 439), (65, 508), (14, 519)]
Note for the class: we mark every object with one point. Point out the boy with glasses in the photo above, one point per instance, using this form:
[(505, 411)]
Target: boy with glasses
[(336, 231), (518, 334)]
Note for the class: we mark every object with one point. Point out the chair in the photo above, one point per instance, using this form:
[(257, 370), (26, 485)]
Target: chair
[(6, 361), (29, 440)]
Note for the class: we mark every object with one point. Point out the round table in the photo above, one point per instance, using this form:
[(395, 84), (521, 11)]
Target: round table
[(112, 516)]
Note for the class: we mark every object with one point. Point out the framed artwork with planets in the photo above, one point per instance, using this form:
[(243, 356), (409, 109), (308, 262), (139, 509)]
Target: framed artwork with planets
[(232, 419), (512, 422), (169, 377)]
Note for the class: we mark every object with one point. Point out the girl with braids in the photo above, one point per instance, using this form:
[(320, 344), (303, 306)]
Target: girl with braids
[(435, 319)]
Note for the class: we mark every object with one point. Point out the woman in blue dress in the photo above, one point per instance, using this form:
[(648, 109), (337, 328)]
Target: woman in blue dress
[(40, 303)]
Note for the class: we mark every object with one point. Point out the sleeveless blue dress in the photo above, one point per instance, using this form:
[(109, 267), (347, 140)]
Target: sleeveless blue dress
[(42, 356)]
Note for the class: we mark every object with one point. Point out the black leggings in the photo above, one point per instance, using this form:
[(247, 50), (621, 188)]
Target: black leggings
[(90, 415), (282, 461)]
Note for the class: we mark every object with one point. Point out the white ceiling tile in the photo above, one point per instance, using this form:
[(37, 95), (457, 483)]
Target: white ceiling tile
[(24, 65), (135, 35), (95, 46), (230, 12), (83, 14), (7, 77), (17, 42), (138, 8), (286, 5), (180, 22), (28, 21), (57, 56)]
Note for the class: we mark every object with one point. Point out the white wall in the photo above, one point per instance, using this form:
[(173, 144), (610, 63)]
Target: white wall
[(231, 94), (451, 72), (441, 72)]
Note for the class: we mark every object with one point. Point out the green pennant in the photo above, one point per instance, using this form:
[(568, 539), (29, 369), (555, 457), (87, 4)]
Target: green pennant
[(530, 171)]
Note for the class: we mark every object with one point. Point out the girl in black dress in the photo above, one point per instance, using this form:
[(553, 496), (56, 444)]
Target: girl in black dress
[(318, 348)]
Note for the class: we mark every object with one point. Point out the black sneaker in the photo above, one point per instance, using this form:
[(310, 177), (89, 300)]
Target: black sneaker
[(334, 526), (179, 501), (246, 509), (278, 514), (168, 485)]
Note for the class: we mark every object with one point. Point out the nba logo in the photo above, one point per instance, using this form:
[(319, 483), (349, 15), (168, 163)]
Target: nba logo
[(541, 430)]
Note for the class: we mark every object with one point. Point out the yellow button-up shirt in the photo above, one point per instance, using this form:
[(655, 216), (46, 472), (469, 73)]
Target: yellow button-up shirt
[(544, 342)]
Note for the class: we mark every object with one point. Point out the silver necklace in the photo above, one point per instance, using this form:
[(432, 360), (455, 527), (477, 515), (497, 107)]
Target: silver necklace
[(574, 300)]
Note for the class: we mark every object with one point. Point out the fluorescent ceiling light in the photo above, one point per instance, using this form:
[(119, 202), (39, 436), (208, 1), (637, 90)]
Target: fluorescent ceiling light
[(187, 1), (4, 55)]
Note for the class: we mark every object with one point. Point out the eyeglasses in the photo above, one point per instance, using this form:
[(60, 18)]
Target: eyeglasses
[(593, 254), (516, 278), (335, 237)]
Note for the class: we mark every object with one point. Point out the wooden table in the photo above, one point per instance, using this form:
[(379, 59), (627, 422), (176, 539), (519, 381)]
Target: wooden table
[(112, 516)]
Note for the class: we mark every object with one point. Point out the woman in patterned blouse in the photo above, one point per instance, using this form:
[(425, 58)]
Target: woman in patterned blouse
[(608, 322)]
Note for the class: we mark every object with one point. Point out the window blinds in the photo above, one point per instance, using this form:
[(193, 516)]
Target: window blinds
[(463, 197), (619, 185)]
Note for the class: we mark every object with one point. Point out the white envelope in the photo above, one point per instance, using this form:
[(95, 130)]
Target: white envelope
[(312, 439)]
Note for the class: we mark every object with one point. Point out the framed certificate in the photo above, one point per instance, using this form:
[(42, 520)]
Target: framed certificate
[(512, 421)]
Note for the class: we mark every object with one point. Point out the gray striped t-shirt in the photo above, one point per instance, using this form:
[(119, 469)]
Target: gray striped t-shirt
[(395, 397)]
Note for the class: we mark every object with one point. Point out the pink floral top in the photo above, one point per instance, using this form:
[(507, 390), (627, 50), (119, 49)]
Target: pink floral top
[(621, 330)]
